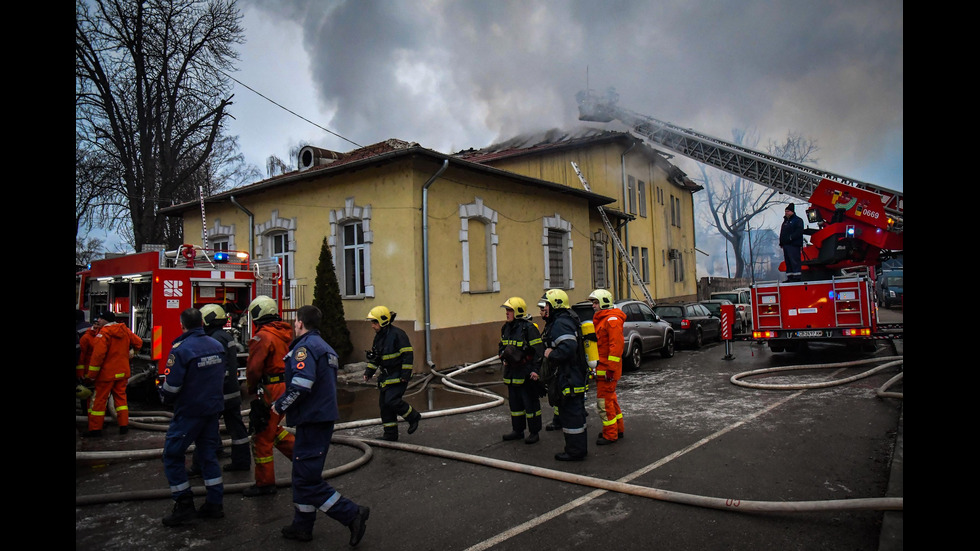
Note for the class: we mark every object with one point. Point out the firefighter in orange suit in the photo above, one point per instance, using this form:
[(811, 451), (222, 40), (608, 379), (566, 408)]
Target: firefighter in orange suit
[(86, 340), (266, 372), (109, 368), (608, 322)]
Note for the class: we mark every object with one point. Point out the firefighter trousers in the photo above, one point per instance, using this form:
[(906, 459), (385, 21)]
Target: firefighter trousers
[(572, 418), (241, 455), (525, 407), (97, 406), (311, 493), (609, 412), (263, 443), (393, 406), (203, 433)]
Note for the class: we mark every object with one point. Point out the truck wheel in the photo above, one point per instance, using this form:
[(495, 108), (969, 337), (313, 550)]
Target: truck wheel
[(668, 349)]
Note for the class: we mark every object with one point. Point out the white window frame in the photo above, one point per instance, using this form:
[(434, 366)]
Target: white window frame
[(351, 214), (488, 218), (265, 233)]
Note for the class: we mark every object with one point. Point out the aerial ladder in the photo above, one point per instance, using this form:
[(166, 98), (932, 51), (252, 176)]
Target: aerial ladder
[(794, 179), (619, 244)]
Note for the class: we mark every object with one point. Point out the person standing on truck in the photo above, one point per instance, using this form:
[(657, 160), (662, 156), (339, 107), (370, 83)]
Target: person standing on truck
[(109, 367), (193, 385), (310, 405), (265, 379), (521, 351), (609, 336), (791, 240), (214, 317), (564, 351), (392, 356)]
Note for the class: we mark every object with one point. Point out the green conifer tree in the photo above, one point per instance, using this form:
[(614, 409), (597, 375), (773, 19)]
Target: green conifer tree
[(326, 297)]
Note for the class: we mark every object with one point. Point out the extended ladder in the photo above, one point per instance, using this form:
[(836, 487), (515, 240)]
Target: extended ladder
[(615, 238)]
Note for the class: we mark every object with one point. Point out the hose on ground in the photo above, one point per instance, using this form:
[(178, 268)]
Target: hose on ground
[(890, 361)]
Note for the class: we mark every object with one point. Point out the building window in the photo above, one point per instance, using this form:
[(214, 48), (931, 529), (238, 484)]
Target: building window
[(350, 243), (221, 238), (645, 264), (279, 249), (557, 243), (276, 241), (600, 243), (635, 259), (641, 197), (631, 194), (677, 262), (478, 239)]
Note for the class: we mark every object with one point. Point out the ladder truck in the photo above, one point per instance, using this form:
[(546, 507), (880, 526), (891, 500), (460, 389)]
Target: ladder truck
[(858, 226)]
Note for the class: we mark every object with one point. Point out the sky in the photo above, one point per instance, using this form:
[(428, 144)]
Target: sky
[(461, 74)]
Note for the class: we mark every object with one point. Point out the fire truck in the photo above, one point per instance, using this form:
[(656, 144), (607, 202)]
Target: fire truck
[(149, 290), (858, 226)]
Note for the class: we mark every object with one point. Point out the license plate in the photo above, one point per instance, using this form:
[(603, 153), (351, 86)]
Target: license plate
[(809, 333)]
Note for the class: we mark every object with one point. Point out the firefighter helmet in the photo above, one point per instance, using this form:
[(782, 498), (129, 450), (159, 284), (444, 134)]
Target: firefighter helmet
[(263, 306), (516, 304), (604, 297), (212, 314), (556, 298), (380, 314)]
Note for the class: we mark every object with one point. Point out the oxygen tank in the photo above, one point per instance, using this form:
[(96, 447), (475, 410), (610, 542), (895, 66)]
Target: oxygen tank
[(590, 344)]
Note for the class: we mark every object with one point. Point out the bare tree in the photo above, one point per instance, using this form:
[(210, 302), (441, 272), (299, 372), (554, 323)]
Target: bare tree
[(734, 203), (151, 94)]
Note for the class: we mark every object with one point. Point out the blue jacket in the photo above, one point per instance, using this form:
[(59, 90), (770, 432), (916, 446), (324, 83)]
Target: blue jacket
[(561, 336), (791, 232), (311, 381), (195, 375)]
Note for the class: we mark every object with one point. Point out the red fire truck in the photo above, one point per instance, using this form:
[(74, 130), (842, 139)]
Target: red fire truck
[(149, 290)]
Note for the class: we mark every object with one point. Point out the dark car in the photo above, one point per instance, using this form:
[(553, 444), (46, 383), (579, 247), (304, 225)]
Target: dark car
[(890, 289), (643, 331), (693, 324), (714, 306)]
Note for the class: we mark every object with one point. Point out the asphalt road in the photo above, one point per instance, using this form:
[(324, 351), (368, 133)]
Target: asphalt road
[(699, 454)]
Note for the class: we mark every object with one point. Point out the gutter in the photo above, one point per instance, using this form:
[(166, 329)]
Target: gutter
[(425, 262), (251, 227)]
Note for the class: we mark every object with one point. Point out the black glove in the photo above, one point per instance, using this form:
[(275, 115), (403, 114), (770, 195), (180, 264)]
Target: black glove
[(258, 416), (372, 356)]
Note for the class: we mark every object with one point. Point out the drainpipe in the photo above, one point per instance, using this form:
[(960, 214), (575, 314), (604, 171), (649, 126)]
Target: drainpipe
[(425, 261), (251, 227), (626, 229)]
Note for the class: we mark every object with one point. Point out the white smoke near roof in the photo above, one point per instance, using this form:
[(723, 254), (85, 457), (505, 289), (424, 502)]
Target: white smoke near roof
[(457, 75)]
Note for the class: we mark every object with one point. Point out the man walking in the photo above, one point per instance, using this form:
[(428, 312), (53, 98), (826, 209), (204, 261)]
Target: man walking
[(391, 354)]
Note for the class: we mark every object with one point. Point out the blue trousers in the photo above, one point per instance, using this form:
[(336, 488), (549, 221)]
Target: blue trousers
[(203, 433), (311, 493), (572, 415)]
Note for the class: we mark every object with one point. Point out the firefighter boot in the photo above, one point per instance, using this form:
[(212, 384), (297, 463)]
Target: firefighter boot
[(255, 490), (514, 435), (183, 511), (211, 510), (359, 525), (413, 421)]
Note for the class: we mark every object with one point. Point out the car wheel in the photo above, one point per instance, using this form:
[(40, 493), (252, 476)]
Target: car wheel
[(698, 339), (635, 357), (668, 349)]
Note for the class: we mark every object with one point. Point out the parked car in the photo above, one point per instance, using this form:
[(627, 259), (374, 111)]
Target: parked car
[(693, 324), (643, 331), (714, 306), (890, 289), (742, 299)]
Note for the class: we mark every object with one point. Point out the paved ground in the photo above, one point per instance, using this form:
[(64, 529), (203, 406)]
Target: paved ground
[(692, 435)]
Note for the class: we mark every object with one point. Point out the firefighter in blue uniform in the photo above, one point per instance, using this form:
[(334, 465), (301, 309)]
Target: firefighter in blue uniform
[(391, 354), (310, 404), (193, 384), (566, 357)]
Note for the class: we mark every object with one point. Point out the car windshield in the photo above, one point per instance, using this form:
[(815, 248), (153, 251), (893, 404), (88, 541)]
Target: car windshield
[(895, 281), (713, 307), (733, 297), (668, 311)]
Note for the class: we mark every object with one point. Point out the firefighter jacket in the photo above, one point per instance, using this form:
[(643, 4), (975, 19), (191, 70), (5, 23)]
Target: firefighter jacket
[(392, 355), (85, 344), (521, 349), (567, 357), (195, 374), (791, 232), (110, 352), (266, 351), (609, 339), (232, 388), (311, 382)]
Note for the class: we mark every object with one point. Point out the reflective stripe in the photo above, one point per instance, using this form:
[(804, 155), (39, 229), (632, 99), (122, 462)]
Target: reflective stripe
[(122, 408), (390, 356), (263, 460), (395, 424), (96, 413), (330, 502), (406, 349), (565, 338), (180, 487), (233, 395), (614, 359), (94, 368), (301, 382), (600, 373), (303, 508), (213, 481), (609, 422), (120, 375), (281, 436), (579, 430), (534, 342), (171, 389), (517, 414), (240, 441)]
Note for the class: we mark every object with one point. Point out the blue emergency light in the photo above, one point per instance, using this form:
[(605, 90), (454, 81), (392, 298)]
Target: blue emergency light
[(221, 257)]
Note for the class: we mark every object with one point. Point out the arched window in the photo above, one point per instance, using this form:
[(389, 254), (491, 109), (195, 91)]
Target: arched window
[(557, 243), (350, 243), (478, 238), (276, 239)]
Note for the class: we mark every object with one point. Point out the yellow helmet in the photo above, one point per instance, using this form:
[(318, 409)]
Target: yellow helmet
[(516, 304), (604, 297), (380, 314), (213, 314), (262, 306), (556, 298)]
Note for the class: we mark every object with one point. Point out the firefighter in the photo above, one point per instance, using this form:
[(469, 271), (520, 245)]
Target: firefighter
[(548, 376), (310, 405), (391, 355), (609, 334), (265, 379), (108, 367), (566, 356), (215, 317), (193, 384), (521, 351), (86, 340)]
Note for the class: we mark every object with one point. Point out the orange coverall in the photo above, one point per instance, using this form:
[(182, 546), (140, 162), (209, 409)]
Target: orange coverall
[(109, 368), (266, 352), (86, 343), (609, 334)]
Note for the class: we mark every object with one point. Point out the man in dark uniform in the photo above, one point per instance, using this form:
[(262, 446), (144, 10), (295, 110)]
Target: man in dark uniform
[(521, 351), (392, 354), (194, 384), (310, 405), (563, 351), (791, 240)]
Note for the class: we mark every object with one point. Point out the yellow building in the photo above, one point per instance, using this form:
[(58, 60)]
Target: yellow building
[(439, 239)]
